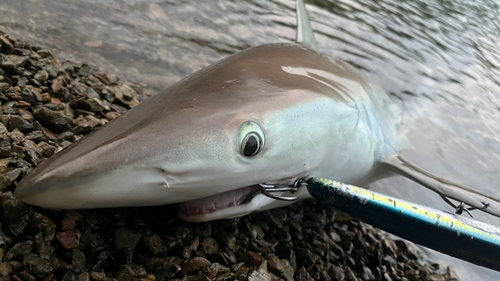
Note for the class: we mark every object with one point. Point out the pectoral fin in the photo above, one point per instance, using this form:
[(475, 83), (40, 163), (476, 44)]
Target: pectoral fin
[(443, 187)]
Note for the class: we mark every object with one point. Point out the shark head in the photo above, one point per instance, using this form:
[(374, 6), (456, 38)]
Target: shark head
[(271, 114), (263, 115)]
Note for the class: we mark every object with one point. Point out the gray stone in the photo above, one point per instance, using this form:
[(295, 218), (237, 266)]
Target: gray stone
[(46, 226), (41, 248), (38, 266), (17, 122), (69, 276), (31, 96), (126, 239), (126, 273), (156, 245), (19, 249), (41, 76), (78, 262), (209, 245)]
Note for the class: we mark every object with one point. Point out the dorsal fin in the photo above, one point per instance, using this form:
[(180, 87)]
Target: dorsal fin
[(305, 35)]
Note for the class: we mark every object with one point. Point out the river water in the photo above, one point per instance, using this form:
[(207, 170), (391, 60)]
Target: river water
[(438, 59)]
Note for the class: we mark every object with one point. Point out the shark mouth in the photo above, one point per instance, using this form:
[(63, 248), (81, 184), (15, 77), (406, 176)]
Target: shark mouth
[(218, 202)]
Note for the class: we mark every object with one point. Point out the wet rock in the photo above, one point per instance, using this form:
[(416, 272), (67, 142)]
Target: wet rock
[(98, 275), (85, 276), (44, 53), (156, 245), (227, 277), (126, 273), (251, 258), (44, 225), (15, 214), (19, 249), (118, 108), (4, 239), (25, 276), (31, 96), (4, 86), (6, 45), (48, 150), (215, 269), (5, 146), (64, 95), (112, 115), (261, 274), (46, 98), (125, 239), (210, 245), (302, 275), (17, 137), (164, 267), (410, 249), (78, 262), (68, 223), (68, 135), (126, 96), (4, 163), (69, 239), (34, 151), (242, 273), (18, 152), (195, 264), (38, 266), (41, 248), (367, 274), (70, 276), (36, 136), (17, 122), (349, 274), (57, 84), (336, 272), (84, 125), (10, 62), (255, 231), (41, 76), (5, 269), (55, 121), (279, 267)]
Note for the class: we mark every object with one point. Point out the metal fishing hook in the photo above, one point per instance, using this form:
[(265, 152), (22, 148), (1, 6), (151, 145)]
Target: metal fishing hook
[(269, 189)]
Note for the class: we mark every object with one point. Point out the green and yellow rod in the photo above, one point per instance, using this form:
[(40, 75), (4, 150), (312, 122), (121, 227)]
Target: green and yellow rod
[(464, 238)]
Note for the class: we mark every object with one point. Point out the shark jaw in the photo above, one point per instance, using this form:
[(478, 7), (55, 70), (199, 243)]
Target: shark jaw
[(234, 203), (194, 210)]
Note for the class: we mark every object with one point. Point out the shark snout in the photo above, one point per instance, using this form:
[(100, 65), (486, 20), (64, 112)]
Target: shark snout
[(127, 186)]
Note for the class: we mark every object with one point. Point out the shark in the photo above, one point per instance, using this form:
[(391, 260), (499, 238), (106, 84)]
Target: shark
[(268, 116)]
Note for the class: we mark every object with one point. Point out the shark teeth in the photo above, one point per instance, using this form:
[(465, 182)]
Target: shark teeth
[(217, 202)]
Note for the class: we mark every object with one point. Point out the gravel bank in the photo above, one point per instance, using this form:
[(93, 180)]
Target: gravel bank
[(47, 105)]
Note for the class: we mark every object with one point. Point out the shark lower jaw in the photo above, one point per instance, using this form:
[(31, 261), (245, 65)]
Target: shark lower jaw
[(190, 210)]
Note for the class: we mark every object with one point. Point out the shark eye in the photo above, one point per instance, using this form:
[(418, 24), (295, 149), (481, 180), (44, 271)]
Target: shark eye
[(251, 139), (251, 144)]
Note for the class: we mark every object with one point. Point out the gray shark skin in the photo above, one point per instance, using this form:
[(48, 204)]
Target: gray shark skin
[(308, 115)]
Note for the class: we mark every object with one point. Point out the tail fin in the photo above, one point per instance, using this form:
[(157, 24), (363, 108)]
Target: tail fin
[(443, 187), (305, 34)]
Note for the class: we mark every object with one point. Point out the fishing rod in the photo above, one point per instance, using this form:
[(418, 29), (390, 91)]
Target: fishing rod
[(461, 237)]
